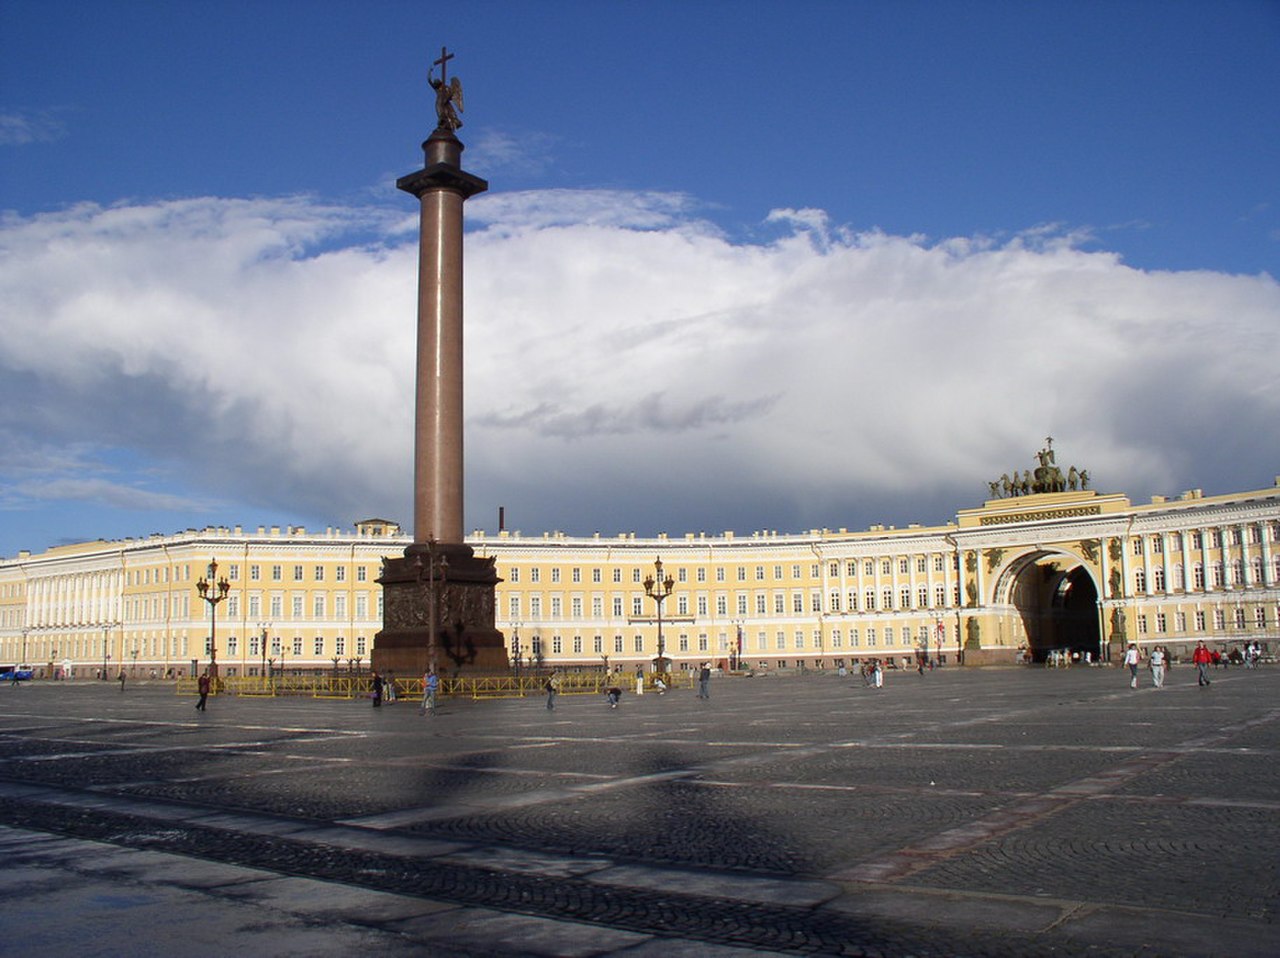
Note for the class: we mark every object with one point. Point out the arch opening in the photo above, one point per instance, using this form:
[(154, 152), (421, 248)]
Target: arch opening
[(1056, 602)]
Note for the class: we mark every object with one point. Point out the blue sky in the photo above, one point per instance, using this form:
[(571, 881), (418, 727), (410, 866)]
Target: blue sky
[(742, 265)]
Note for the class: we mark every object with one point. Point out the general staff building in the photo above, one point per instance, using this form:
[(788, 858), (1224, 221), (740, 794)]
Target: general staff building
[(1021, 576)]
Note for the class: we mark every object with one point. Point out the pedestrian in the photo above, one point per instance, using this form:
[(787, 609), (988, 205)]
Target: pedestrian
[(613, 693), (1202, 657), (704, 681), (877, 674), (640, 681), (552, 688), (660, 685), (122, 680), (203, 685), (1157, 661), (430, 685), (1131, 658), (389, 687), (375, 682)]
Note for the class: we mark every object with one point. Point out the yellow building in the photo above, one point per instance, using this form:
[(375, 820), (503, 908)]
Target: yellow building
[(1073, 570)]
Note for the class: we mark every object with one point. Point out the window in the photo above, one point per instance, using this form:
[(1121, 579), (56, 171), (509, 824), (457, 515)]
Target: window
[(870, 603), (1219, 619), (297, 645), (317, 606), (297, 606), (835, 601), (815, 602), (922, 597), (904, 598), (575, 606), (232, 645), (277, 573), (277, 606), (1197, 576), (1137, 545), (637, 605), (255, 573), (297, 573), (556, 607), (635, 575), (851, 569), (340, 574), (319, 645), (797, 602), (233, 571), (617, 644), (702, 605), (1157, 579), (1157, 544), (535, 606), (799, 639), (888, 635), (340, 645), (853, 638), (887, 596), (513, 607), (833, 569), (759, 573), (597, 607), (780, 640), (921, 566), (1180, 621), (361, 574), (1199, 621), (682, 575), (742, 603), (940, 595), (535, 574), (779, 603), (722, 605), (885, 567), (577, 645), (869, 567), (319, 573), (760, 598), (557, 646), (684, 643), (719, 575), (361, 647), (1260, 617), (638, 643), (617, 606), (1161, 622), (595, 575), (871, 638), (938, 563), (576, 574), (340, 606), (1139, 580)]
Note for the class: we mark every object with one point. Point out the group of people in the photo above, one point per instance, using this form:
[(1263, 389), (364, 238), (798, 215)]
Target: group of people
[(1159, 660)]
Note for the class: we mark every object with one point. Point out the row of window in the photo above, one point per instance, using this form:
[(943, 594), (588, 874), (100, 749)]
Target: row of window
[(1239, 619), (276, 573), (870, 602), (799, 639), (1221, 575), (638, 573), (1196, 540)]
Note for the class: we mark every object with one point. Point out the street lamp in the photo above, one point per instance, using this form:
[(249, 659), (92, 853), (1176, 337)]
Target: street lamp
[(25, 631), (106, 636), (515, 648), (433, 580), (264, 626), (658, 588), (213, 592)]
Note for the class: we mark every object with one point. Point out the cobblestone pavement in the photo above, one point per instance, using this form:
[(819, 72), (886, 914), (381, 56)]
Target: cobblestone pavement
[(993, 812)]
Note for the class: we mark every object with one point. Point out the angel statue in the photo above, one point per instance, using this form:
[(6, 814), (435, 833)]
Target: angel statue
[(448, 94)]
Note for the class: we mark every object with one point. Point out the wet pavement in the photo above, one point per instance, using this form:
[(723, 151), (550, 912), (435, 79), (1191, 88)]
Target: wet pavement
[(982, 812)]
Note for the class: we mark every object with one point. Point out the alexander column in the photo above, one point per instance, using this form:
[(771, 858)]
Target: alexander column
[(438, 599)]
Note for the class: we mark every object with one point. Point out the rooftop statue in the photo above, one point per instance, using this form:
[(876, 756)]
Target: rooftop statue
[(1047, 477), (448, 93)]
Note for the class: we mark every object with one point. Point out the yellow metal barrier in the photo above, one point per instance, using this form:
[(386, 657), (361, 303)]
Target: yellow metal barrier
[(317, 685)]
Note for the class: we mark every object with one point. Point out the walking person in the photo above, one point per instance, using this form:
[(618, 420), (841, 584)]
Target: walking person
[(1202, 657), (553, 689), (430, 685), (1157, 661), (389, 687), (1131, 658), (376, 682), (203, 684), (877, 674), (704, 681), (613, 693), (122, 680)]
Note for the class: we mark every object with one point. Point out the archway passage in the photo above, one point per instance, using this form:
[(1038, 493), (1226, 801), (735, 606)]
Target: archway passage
[(1058, 606)]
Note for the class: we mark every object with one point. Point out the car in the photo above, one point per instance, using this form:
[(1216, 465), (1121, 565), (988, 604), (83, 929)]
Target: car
[(20, 673)]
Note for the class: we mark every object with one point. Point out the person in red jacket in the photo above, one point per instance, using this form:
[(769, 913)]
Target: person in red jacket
[(1202, 657)]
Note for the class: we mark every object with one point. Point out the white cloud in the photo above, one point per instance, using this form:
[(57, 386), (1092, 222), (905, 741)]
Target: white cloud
[(23, 128), (628, 365)]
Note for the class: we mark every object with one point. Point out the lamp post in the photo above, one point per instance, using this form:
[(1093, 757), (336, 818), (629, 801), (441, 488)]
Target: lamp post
[(25, 631), (106, 634), (264, 626), (515, 648), (433, 583), (659, 588), (213, 592)]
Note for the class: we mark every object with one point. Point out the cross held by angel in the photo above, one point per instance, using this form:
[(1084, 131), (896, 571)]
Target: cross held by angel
[(448, 93)]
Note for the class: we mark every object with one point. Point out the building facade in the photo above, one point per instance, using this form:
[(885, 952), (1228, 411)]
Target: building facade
[(1020, 576)]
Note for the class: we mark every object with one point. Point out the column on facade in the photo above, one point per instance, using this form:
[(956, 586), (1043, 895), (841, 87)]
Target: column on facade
[(1147, 579), (1268, 569), (1188, 580)]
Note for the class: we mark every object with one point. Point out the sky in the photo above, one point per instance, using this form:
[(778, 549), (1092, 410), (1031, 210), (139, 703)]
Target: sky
[(741, 265)]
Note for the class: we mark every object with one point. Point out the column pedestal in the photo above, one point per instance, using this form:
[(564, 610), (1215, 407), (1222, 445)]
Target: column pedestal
[(465, 641)]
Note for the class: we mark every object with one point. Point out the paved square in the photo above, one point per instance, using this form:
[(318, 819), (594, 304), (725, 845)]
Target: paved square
[(992, 812)]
